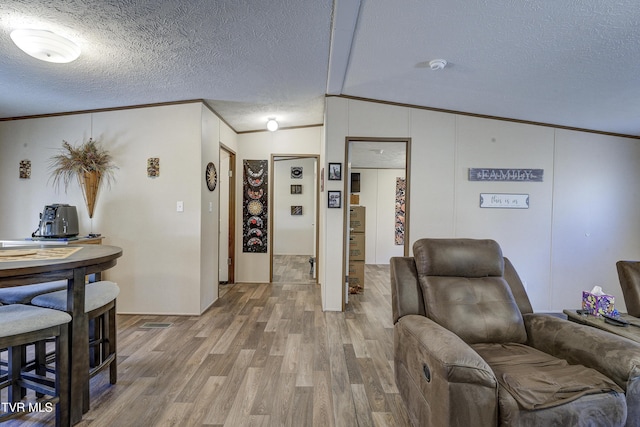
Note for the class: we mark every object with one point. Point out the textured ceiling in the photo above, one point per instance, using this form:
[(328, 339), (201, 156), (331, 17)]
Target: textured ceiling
[(250, 59), (568, 63)]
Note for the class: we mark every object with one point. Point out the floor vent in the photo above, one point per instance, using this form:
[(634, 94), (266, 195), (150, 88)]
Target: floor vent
[(156, 325)]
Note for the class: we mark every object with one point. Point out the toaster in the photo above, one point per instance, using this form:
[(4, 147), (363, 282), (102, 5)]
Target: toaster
[(58, 220)]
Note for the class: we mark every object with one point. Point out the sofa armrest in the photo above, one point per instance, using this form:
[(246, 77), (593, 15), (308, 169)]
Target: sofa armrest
[(614, 356), (450, 357), (406, 294), (442, 380)]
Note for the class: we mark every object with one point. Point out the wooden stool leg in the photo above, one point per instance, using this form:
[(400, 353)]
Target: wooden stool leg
[(40, 360), (15, 357), (62, 377), (94, 337), (112, 345)]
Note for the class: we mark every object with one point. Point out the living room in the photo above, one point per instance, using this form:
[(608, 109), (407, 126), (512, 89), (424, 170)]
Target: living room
[(580, 218)]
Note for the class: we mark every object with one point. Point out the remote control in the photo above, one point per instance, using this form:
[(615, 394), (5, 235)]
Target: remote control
[(615, 320)]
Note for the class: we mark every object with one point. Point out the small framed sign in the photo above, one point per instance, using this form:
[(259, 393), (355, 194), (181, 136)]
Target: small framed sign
[(504, 201)]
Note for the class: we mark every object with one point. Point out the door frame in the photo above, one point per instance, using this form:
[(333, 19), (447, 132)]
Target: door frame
[(231, 241), (347, 204), (271, 202)]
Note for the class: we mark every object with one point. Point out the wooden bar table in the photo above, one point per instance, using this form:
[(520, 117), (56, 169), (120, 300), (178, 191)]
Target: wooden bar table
[(72, 263)]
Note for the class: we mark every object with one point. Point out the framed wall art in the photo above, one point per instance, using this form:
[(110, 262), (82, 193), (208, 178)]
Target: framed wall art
[(334, 199), (335, 171), (296, 210), (296, 172), (296, 189)]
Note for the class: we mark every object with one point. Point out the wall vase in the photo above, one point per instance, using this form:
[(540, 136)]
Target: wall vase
[(90, 183)]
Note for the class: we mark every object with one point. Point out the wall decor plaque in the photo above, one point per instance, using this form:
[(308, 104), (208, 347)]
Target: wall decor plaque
[(153, 167), (25, 169), (504, 201), (520, 175)]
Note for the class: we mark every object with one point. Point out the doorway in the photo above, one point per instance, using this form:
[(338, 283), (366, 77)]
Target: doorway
[(226, 238), (376, 185), (294, 218)]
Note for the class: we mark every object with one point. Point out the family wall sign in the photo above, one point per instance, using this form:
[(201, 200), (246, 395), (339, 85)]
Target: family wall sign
[(518, 175)]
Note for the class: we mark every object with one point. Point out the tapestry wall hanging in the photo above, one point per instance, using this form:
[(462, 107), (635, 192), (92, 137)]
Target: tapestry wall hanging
[(255, 206), (401, 186)]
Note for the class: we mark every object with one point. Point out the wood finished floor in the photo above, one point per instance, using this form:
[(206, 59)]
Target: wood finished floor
[(292, 269), (262, 355)]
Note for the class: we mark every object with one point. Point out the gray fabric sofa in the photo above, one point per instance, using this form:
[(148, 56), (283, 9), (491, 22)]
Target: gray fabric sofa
[(467, 353)]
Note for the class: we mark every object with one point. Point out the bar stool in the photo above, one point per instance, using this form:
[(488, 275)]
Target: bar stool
[(100, 307), (23, 325), (24, 294)]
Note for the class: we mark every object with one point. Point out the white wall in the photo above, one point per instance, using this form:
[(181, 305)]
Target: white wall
[(582, 217), (168, 264), (378, 195), (252, 267), (209, 211), (294, 234)]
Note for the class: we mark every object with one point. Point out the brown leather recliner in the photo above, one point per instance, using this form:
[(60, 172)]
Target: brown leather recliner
[(466, 353), (629, 275)]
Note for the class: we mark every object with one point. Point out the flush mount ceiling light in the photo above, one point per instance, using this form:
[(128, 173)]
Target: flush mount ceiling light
[(45, 45), (437, 64), (272, 125)]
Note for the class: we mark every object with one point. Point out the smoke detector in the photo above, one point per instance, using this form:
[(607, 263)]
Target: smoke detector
[(437, 64)]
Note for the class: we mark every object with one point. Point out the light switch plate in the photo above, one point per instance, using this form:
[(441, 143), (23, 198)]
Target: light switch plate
[(180, 206)]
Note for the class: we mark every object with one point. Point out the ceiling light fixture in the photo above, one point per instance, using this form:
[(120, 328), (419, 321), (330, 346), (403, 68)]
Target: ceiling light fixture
[(45, 45), (437, 64), (272, 125)]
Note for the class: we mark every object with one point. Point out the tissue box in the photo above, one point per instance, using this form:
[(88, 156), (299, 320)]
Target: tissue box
[(597, 305)]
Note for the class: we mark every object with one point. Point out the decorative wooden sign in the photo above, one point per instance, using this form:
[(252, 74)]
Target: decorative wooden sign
[(25, 169), (153, 167), (520, 175), (504, 201)]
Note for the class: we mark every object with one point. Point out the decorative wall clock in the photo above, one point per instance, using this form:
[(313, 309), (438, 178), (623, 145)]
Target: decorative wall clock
[(211, 176)]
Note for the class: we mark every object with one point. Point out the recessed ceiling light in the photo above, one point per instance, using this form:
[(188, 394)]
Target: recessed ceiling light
[(46, 45), (437, 64)]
